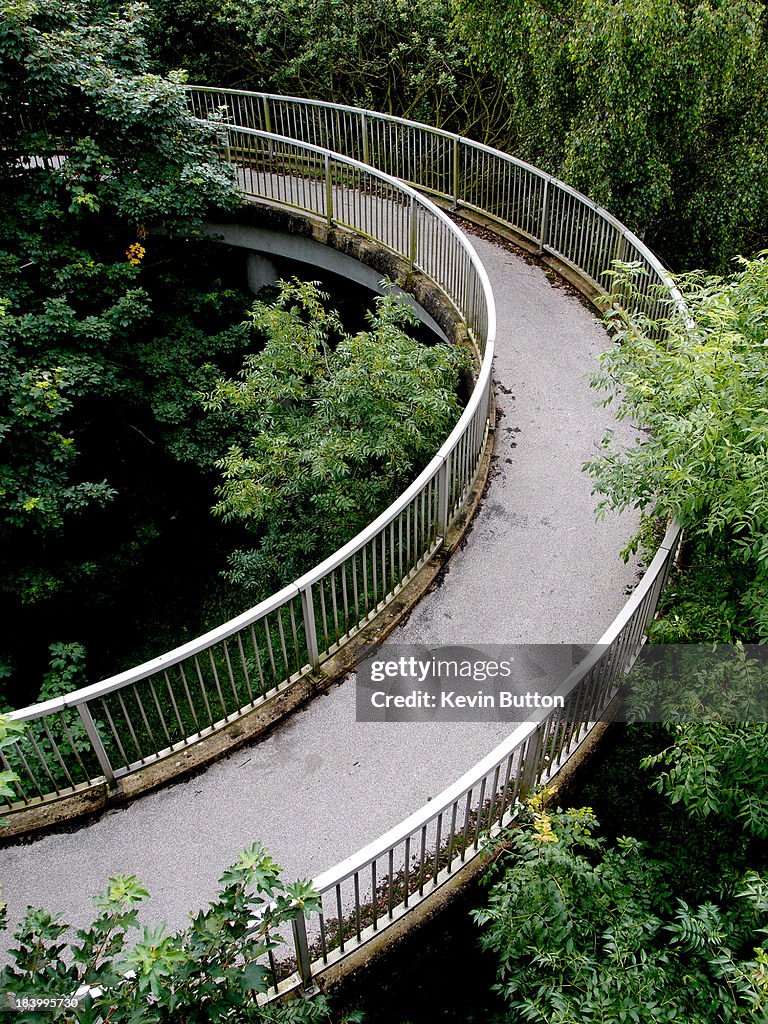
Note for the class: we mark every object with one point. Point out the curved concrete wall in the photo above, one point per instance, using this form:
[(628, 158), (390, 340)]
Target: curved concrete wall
[(265, 243)]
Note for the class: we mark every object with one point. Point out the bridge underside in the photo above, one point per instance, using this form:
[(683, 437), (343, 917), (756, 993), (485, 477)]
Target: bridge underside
[(264, 244)]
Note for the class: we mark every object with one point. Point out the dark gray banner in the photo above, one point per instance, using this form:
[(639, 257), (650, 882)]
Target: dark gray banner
[(525, 682), (478, 683)]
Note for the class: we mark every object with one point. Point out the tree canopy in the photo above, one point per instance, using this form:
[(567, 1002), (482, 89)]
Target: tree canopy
[(105, 179), (98, 154), (116, 316), (658, 110), (337, 425), (584, 930), (405, 59)]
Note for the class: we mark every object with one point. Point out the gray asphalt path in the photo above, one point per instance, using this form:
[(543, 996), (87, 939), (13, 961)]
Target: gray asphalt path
[(536, 568)]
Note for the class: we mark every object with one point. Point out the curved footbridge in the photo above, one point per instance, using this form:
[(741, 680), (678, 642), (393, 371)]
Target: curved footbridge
[(537, 568)]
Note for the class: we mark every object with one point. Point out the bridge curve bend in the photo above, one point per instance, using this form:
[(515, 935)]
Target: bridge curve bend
[(100, 734), (365, 172)]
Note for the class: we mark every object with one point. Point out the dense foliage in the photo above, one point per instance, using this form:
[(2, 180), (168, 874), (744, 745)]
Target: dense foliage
[(116, 315), (9, 734), (109, 311), (699, 387), (712, 703), (339, 423), (587, 931), (406, 58), (658, 110)]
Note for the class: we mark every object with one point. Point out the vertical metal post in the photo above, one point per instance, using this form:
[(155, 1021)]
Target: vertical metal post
[(673, 552), (364, 130), (328, 191), (414, 234), (470, 304), (267, 117), (532, 758), (544, 220), (487, 405), (443, 498), (613, 285), (96, 743), (310, 631), (456, 183), (267, 126), (302, 952)]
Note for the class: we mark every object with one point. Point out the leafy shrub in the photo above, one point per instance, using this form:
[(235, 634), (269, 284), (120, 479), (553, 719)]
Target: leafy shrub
[(210, 971), (338, 424), (699, 388), (584, 932)]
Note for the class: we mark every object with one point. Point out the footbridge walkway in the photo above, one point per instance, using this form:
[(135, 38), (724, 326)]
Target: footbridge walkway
[(381, 814)]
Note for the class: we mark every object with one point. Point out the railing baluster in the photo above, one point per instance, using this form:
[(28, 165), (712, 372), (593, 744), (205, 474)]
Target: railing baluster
[(301, 946), (270, 651), (203, 691), (55, 749), (160, 713), (257, 655), (175, 706), (115, 733), (340, 917), (328, 185)]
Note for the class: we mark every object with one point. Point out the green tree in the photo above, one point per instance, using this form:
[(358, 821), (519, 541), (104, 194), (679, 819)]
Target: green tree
[(712, 702), (587, 932), (339, 423), (405, 59), (718, 768), (114, 317), (109, 309), (655, 109), (97, 153)]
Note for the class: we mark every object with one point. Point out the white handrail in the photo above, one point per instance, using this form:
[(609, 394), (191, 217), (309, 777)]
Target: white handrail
[(446, 832), (303, 625), (534, 751)]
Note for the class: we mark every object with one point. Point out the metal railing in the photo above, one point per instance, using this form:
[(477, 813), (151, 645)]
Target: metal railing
[(469, 175), (118, 726), (380, 883), (328, 162)]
